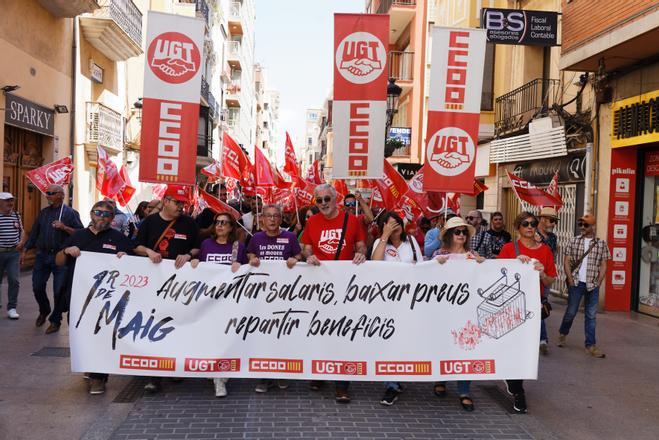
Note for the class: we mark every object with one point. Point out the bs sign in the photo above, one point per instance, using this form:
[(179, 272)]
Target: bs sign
[(517, 26)]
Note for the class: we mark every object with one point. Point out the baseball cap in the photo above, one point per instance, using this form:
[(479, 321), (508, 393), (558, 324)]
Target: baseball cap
[(589, 219), (6, 196), (179, 192), (548, 212)]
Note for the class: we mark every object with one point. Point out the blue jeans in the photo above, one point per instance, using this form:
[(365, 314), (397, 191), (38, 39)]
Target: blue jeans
[(9, 265), (590, 309), (463, 387), (44, 265)]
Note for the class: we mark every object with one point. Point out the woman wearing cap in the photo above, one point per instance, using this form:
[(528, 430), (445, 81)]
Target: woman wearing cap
[(397, 246), (455, 236)]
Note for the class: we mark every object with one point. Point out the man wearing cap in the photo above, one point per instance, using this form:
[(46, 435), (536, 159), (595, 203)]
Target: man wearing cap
[(52, 227), (545, 234), (481, 242), (585, 269), (432, 240), (12, 239), (169, 234)]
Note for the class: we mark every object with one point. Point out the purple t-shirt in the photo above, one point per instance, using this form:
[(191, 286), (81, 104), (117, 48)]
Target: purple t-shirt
[(213, 252), (281, 247)]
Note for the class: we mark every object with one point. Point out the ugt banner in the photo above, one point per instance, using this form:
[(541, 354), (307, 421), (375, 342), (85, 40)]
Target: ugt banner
[(458, 57), (170, 107), (360, 94), (374, 321)]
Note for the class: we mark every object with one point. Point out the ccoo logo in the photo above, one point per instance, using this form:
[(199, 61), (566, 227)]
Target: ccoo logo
[(450, 151), (173, 57), (361, 57)]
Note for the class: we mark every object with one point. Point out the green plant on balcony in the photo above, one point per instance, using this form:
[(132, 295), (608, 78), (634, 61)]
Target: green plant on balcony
[(391, 145)]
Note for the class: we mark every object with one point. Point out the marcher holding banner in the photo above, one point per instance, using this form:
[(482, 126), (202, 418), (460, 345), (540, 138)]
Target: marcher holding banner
[(527, 249)]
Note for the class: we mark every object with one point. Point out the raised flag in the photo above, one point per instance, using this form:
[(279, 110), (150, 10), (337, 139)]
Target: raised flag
[(212, 171), (216, 205), (54, 173), (290, 161), (128, 190), (552, 189), (170, 107), (234, 159), (341, 190), (108, 180), (304, 193), (360, 94), (531, 194), (458, 57), (313, 173), (265, 175)]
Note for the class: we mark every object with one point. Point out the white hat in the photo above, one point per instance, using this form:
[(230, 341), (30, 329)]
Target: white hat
[(6, 196), (456, 222)]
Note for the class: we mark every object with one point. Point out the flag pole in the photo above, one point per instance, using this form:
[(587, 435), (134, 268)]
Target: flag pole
[(61, 208), (445, 206)]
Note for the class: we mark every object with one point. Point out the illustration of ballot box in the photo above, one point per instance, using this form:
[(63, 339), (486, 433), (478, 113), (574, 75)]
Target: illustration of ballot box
[(503, 308)]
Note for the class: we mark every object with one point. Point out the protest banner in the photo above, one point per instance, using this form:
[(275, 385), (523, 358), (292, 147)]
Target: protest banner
[(374, 321)]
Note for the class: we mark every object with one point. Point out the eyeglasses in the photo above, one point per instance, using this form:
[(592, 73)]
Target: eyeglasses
[(583, 225), (272, 216), (526, 224), (461, 231), (222, 222), (178, 202), (350, 203), (551, 220), (470, 218), (325, 199), (101, 213), (53, 193)]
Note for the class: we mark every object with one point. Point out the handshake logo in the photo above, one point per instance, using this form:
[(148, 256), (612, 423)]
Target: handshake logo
[(173, 57), (361, 57), (450, 151)]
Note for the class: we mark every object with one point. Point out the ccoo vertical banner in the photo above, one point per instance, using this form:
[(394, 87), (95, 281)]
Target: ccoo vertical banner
[(170, 108), (360, 93), (456, 80)]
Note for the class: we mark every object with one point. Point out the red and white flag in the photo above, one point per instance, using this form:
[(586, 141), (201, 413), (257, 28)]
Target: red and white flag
[(341, 190), (158, 190), (313, 173), (216, 205), (531, 194), (128, 190), (290, 164), (54, 173), (234, 159), (552, 189), (170, 108), (458, 58), (360, 94), (213, 171), (265, 175), (304, 193), (108, 180)]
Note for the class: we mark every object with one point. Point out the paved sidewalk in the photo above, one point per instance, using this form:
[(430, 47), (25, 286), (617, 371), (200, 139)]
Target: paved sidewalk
[(576, 397)]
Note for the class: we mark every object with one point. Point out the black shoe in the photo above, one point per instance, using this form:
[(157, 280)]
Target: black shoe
[(467, 403), (520, 403), (342, 395), (316, 385), (390, 396), (153, 386), (41, 319)]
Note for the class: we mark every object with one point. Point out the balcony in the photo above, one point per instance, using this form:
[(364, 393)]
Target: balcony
[(233, 119), (69, 8), (232, 94), (235, 18), (401, 68), (104, 128), (233, 53), (205, 89), (115, 29), (400, 13), (515, 109)]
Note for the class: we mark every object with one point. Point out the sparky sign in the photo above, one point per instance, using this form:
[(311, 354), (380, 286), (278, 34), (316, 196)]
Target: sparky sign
[(170, 107), (458, 58), (359, 109)]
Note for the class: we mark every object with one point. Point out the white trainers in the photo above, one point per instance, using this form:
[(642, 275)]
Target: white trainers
[(13, 314), (220, 387)]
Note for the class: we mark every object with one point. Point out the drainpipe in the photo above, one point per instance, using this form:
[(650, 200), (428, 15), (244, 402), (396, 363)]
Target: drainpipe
[(74, 71), (588, 186)]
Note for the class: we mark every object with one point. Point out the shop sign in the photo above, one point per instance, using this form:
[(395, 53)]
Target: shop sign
[(403, 134), (97, 73), (571, 169), (517, 26), (652, 163), (408, 170), (28, 115), (635, 120)]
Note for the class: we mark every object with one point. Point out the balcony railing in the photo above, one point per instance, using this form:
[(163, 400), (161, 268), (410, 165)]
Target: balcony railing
[(401, 65), (234, 11), (104, 127), (205, 88), (515, 109), (234, 87), (127, 16), (385, 5), (402, 151), (115, 29), (233, 49), (233, 120)]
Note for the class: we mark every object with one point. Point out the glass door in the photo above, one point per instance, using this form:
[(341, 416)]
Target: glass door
[(649, 249)]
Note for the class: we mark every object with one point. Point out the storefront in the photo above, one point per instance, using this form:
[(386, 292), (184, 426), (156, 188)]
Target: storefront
[(633, 234)]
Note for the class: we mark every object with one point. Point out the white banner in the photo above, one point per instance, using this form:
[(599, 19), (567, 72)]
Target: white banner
[(376, 321)]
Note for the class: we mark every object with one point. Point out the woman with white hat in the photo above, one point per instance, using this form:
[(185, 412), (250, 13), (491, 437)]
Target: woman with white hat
[(455, 236)]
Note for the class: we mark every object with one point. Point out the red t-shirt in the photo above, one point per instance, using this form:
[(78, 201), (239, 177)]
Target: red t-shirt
[(323, 235), (543, 254)]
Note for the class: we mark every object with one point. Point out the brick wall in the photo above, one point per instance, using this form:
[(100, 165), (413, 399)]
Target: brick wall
[(584, 19)]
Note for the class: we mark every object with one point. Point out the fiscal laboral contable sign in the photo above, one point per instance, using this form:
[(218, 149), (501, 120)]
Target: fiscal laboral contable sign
[(456, 80), (360, 95), (170, 107), (373, 321)]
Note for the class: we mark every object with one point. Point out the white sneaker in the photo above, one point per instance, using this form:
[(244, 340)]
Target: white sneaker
[(220, 387), (13, 314)]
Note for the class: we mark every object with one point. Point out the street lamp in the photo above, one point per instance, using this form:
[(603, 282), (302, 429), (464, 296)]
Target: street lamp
[(393, 93)]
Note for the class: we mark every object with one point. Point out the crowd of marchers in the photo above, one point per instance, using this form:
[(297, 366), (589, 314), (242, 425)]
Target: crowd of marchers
[(327, 230)]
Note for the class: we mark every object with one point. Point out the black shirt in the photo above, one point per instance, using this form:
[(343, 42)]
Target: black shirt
[(180, 239), (205, 218), (499, 239)]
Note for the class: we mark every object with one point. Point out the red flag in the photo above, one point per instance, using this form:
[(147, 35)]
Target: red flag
[(232, 186), (159, 189), (54, 173), (552, 189), (265, 176), (234, 160), (285, 198), (531, 194), (304, 193), (341, 190), (108, 180), (290, 164), (248, 180), (216, 205), (313, 173), (128, 190), (478, 188), (213, 171), (392, 186)]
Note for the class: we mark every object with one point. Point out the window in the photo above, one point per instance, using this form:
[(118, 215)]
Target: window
[(265, 124), (265, 106), (487, 95), (309, 141)]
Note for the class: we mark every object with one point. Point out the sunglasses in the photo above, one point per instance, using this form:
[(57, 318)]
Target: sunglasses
[(101, 213), (526, 224), (583, 225), (222, 222), (350, 203), (325, 199), (53, 193), (551, 220), (461, 231), (470, 218)]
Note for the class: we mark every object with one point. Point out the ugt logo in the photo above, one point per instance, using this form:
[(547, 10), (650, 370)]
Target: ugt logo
[(173, 57), (360, 57), (58, 174), (450, 151)]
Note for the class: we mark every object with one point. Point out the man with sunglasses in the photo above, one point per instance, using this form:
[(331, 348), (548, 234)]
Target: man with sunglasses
[(333, 234), (545, 234), (481, 242), (54, 224), (585, 268), (99, 237)]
